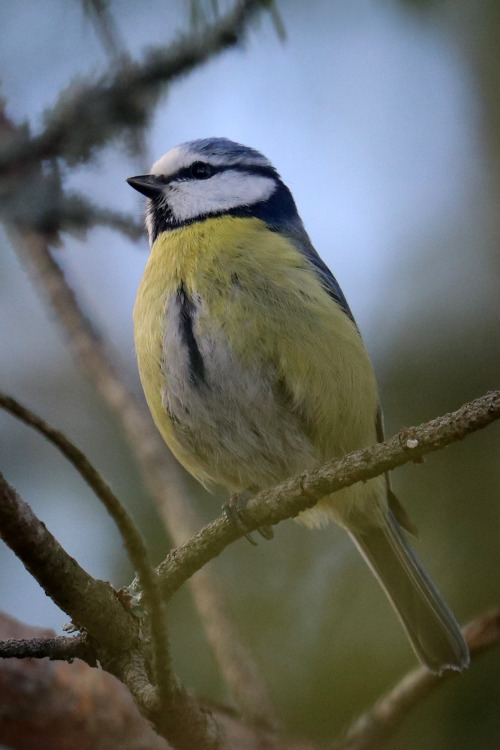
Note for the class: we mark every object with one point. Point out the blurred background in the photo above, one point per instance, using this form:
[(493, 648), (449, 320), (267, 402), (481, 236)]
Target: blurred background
[(383, 117)]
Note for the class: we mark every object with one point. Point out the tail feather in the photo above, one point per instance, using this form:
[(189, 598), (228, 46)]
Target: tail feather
[(431, 627)]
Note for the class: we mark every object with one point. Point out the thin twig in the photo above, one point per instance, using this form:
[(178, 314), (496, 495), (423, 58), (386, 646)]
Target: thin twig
[(86, 600), (374, 726), (41, 203), (184, 722), (70, 705), (296, 494), (74, 213), (115, 634), (368, 732), (59, 648), (105, 28), (132, 539)]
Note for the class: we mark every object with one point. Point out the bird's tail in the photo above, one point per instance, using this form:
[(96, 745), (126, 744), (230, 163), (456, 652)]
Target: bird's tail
[(431, 627)]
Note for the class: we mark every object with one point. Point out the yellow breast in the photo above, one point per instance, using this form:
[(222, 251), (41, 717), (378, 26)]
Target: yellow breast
[(260, 294)]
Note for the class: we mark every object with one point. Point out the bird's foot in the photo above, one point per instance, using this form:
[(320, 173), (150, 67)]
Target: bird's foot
[(234, 511)]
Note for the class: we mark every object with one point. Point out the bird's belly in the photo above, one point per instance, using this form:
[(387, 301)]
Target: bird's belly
[(232, 420)]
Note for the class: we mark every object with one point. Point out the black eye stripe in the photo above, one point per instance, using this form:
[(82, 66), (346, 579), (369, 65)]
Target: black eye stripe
[(186, 172)]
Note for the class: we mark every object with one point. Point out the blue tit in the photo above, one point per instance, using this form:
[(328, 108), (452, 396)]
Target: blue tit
[(253, 366)]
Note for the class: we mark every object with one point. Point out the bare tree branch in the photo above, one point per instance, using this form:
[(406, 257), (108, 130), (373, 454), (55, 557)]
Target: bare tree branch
[(375, 726), (296, 494), (74, 213), (115, 634), (60, 648), (86, 600), (109, 700), (105, 28), (132, 539), (183, 723), (56, 706), (40, 202)]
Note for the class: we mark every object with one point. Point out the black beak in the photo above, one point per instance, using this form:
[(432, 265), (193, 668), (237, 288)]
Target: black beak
[(148, 184)]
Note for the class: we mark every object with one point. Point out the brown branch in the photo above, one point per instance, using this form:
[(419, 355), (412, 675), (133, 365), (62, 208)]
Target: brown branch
[(54, 210), (132, 539), (60, 648), (74, 213), (105, 28), (184, 723), (296, 494), (173, 711), (161, 473), (410, 444), (375, 726), (115, 636), (86, 600), (90, 709), (54, 706)]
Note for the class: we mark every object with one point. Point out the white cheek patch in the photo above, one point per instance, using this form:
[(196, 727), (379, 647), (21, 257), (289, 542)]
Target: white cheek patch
[(225, 190)]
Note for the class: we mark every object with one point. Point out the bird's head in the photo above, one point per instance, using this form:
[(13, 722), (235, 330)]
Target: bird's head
[(211, 177)]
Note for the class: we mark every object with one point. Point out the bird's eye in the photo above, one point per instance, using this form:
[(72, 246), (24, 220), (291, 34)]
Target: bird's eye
[(200, 170)]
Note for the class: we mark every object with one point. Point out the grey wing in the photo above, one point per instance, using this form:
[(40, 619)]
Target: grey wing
[(328, 281)]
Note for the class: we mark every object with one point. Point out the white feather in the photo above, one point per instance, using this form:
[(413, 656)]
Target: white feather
[(188, 199)]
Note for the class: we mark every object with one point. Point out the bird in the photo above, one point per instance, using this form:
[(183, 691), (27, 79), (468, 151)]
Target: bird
[(254, 368)]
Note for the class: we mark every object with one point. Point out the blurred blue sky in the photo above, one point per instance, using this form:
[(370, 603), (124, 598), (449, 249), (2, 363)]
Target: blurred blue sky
[(367, 111)]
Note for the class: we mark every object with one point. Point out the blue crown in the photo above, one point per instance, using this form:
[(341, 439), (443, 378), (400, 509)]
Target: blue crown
[(229, 151)]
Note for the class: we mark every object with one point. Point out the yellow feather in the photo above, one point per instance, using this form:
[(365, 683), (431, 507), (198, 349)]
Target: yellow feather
[(284, 316)]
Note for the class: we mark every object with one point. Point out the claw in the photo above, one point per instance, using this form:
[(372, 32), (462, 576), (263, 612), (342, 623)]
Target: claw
[(234, 511)]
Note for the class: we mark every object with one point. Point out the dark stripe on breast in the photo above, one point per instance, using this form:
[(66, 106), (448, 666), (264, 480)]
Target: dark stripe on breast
[(186, 313)]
